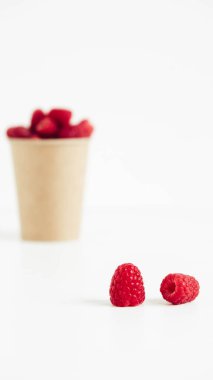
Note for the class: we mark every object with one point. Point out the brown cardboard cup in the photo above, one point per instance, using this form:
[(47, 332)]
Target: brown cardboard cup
[(50, 182)]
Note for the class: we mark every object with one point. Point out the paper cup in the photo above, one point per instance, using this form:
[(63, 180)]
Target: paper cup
[(50, 182)]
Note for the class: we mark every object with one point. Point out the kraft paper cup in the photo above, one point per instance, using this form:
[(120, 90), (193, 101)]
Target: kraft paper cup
[(50, 183)]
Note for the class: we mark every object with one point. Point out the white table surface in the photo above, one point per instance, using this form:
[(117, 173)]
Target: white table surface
[(56, 321)]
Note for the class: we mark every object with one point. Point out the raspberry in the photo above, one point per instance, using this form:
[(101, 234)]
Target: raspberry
[(67, 132), (46, 128), (19, 132), (37, 116), (84, 129), (179, 288), (60, 116), (127, 287)]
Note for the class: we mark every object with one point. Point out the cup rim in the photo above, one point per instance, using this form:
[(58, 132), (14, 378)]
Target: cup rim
[(61, 141)]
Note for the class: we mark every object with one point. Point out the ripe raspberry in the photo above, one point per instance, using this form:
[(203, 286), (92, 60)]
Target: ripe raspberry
[(60, 116), (37, 116), (46, 128), (67, 132), (179, 288), (84, 129), (19, 132), (127, 287)]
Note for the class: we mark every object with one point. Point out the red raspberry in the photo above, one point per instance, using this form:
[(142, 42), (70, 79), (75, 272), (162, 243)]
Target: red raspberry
[(67, 132), (84, 129), (127, 287), (19, 132), (60, 116), (46, 128), (37, 116), (179, 288)]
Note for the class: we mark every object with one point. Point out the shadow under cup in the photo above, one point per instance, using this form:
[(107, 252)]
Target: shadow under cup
[(50, 177)]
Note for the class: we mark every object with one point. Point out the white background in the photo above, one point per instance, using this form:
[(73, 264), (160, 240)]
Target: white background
[(142, 71)]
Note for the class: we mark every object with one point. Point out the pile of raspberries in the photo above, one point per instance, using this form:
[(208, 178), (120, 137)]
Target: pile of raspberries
[(54, 124)]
